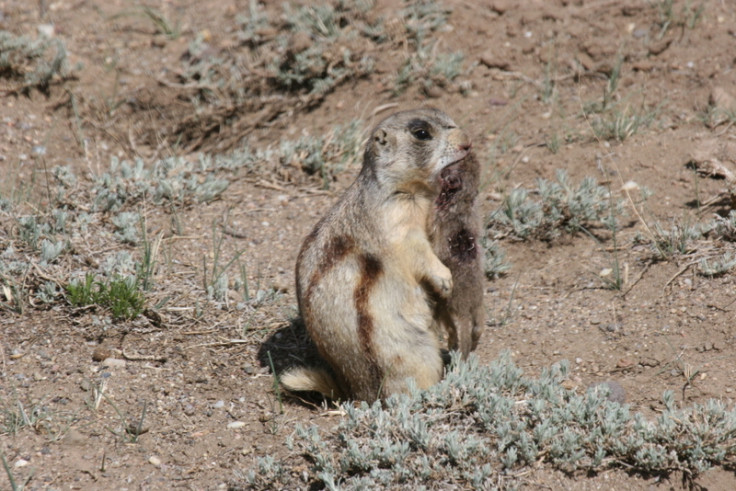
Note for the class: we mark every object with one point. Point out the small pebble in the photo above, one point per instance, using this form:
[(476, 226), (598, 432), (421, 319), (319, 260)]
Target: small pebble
[(235, 425), (640, 33), (46, 30), (113, 363), (219, 405), (154, 461)]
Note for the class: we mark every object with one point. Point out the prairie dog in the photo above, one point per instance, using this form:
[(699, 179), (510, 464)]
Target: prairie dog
[(454, 228), (367, 275)]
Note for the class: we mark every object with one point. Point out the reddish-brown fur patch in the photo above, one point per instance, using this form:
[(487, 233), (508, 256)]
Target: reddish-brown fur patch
[(334, 252), (370, 270)]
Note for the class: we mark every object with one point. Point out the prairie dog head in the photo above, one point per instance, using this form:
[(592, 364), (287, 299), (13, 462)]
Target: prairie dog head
[(408, 150)]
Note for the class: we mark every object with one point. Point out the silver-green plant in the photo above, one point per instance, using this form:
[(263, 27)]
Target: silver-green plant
[(717, 266), (424, 17), (65, 181), (34, 62), (50, 251), (562, 206), (323, 156), (119, 263), (482, 423), (423, 64), (319, 65), (495, 262), (253, 24), (47, 293), (216, 280), (60, 221), (722, 228), (173, 179), (621, 123), (126, 224), (677, 239), (30, 231), (669, 18)]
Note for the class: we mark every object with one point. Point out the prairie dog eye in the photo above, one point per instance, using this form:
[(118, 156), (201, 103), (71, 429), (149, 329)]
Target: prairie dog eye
[(421, 134), (420, 129)]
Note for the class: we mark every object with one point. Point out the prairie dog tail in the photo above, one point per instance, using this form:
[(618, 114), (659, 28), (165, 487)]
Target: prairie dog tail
[(305, 379)]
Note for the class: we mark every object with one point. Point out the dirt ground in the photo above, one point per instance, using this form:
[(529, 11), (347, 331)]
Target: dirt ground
[(191, 367)]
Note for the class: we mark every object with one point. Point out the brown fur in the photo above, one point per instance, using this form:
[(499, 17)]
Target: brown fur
[(454, 229), (367, 276)]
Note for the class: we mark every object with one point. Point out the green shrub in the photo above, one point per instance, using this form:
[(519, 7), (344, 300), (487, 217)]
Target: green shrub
[(121, 296)]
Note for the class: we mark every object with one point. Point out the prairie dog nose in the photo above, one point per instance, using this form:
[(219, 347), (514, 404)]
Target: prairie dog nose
[(458, 138)]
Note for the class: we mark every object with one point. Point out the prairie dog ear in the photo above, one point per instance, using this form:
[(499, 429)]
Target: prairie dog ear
[(380, 137)]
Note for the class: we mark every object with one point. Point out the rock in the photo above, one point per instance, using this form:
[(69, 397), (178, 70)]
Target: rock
[(568, 384), (101, 353), (720, 98), (501, 6), (433, 92), (300, 41), (46, 30), (154, 461), (723, 104), (599, 50), (714, 158), (235, 425), (658, 47), (642, 66), (640, 33), (491, 61)]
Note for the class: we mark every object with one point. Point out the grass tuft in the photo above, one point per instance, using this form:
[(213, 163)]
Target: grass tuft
[(121, 296)]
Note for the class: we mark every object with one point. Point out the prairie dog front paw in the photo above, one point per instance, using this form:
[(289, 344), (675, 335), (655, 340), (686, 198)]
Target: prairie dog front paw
[(441, 280)]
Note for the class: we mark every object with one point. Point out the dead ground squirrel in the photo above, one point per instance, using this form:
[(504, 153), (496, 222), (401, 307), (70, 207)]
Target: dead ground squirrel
[(367, 277), (454, 228)]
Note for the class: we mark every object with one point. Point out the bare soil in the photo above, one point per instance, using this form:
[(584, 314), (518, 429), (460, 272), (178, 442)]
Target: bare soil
[(193, 366)]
